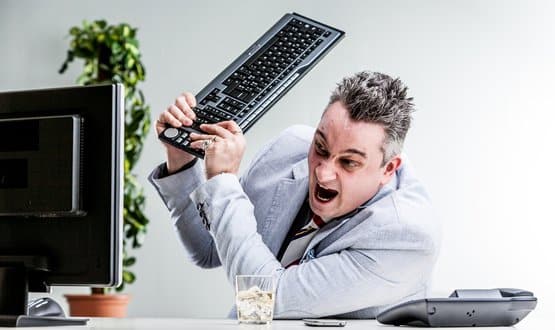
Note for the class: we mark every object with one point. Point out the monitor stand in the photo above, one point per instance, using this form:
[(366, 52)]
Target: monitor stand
[(18, 276)]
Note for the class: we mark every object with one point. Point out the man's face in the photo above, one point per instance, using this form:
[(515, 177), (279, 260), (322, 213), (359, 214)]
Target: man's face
[(344, 161)]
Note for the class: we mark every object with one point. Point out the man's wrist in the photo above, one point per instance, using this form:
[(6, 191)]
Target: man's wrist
[(166, 172), (208, 177)]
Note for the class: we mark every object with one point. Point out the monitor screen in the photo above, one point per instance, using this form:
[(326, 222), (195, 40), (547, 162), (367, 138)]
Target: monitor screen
[(61, 186), (24, 187)]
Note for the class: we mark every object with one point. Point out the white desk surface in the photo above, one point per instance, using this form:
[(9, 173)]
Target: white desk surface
[(530, 323)]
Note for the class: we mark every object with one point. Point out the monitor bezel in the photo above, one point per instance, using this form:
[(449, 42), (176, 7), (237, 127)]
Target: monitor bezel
[(103, 267)]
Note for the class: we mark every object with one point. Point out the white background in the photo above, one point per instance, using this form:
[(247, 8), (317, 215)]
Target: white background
[(481, 73)]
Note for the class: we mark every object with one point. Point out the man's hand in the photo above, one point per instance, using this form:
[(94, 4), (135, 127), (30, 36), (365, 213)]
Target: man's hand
[(178, 114), (224, 146)]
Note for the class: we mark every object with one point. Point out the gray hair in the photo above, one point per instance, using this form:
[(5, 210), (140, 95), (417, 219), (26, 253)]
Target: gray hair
[(377, 98)]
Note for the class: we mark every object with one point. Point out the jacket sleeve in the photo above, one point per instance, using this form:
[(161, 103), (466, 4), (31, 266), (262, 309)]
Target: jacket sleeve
[(191, 228), (192, 232), (349, 280)]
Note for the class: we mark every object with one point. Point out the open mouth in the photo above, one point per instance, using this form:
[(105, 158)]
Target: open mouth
[(325, 195)]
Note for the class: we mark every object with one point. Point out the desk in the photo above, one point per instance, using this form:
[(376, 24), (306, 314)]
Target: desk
[(530, 323)]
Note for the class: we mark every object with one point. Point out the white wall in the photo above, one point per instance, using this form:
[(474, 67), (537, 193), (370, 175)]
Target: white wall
[(481, 73)]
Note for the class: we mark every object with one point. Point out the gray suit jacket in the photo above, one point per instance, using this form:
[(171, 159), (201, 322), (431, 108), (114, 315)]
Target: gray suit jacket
[(352, 268)]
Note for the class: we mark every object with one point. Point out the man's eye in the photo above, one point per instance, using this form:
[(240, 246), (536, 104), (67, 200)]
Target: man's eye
[(349, 163), (320, 150)]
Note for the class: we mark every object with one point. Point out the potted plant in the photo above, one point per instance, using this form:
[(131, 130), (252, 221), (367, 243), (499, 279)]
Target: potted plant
[(111, 54)]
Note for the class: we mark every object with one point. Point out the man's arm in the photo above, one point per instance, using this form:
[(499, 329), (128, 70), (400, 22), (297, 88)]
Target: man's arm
[(174, 191), (175, 179), (346, 281)]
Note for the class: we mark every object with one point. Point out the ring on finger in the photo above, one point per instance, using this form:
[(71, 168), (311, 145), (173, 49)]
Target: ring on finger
[(206, 144)]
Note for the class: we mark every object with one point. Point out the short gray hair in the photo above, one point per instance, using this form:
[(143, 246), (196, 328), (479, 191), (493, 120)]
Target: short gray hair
[(377, 98)]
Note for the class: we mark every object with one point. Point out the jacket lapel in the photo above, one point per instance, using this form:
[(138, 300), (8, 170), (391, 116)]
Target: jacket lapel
[(325, 232), (287, 201)]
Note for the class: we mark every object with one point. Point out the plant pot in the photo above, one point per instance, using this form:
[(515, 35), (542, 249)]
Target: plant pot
[(100, 305)]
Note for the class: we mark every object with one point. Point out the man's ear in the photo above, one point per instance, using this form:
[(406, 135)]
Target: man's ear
[(389, 169)]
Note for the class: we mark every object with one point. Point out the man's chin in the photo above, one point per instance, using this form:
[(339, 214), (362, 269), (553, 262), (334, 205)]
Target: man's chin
[(326, 210)]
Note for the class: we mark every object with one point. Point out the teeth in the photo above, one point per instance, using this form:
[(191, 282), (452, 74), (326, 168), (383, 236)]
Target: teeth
[(319, 190), (323, 198)]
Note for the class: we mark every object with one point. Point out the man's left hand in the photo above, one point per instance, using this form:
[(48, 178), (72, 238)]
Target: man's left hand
[(223, 145)]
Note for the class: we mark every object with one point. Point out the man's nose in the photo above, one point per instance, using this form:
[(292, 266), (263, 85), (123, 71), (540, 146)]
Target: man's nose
[(325, 171)]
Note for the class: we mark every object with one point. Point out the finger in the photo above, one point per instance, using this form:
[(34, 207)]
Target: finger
[(216, 129), (177, 113), (202, 144), (190, 99), (167, 118), (161, 121), (197, 144), (231, 126), (182, 104), (197, 136)]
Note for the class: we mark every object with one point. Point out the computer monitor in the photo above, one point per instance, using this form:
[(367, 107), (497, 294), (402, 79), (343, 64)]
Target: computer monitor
[(61, 186)]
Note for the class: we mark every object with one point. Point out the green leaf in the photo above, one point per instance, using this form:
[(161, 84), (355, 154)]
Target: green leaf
[(130, 61), (128, 277), (132, 48), (129, 262), (74, 31), (121, 287), (101, 24), (116, 48), (126, 31)]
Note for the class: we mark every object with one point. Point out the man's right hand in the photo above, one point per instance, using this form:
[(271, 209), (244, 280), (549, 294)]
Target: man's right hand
[(178, 114)]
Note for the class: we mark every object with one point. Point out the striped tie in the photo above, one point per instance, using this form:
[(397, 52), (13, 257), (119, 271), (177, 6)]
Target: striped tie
[(300, 241)]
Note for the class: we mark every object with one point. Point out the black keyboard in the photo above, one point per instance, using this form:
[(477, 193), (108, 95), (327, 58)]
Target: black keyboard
[(259, 77)]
